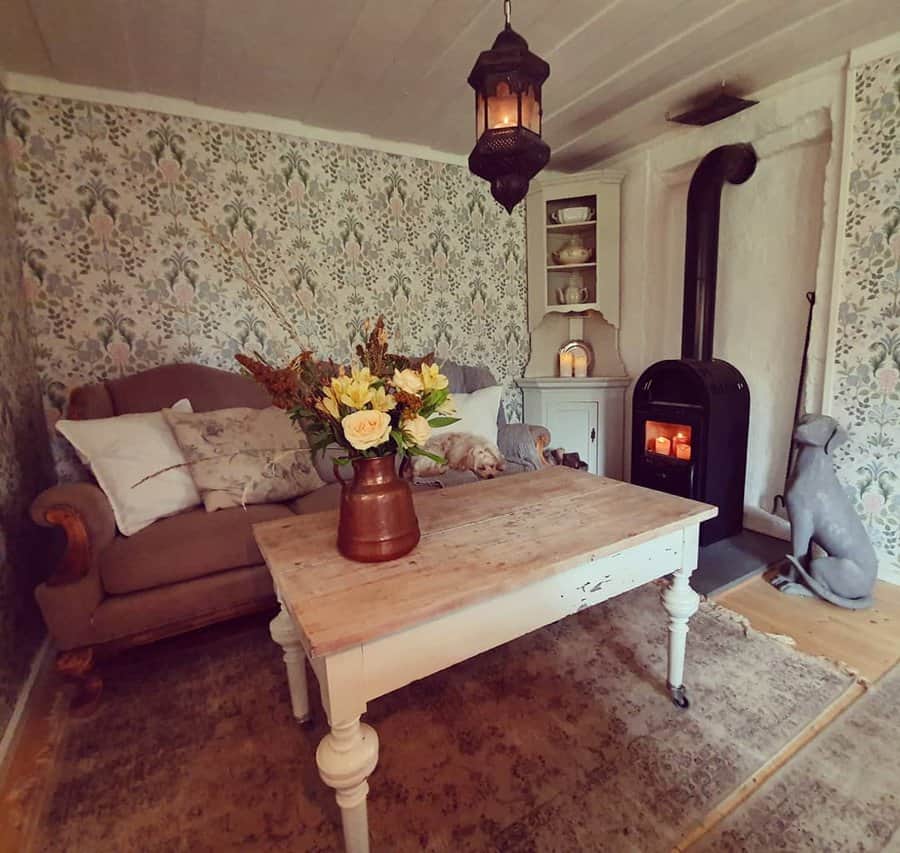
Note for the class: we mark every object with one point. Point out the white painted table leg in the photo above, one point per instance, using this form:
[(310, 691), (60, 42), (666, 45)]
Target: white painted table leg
[(345, 758), (287, 636), (681, 602)]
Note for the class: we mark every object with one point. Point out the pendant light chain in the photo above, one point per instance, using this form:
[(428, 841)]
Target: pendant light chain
[(507, 4)]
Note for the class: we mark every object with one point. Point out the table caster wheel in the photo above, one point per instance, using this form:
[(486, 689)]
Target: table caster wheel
[(679, 697)]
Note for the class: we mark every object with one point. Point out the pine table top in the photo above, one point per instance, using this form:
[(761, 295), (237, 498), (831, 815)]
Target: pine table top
[(478, 541)]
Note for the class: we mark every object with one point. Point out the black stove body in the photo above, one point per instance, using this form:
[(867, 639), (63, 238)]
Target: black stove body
[(689, 437), (690, 416)]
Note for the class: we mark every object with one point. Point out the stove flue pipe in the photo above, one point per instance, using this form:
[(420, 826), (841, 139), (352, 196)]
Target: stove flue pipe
[(735, 164)]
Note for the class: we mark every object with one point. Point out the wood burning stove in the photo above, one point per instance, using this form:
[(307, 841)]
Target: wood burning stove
[(689, 437), (690, 416)]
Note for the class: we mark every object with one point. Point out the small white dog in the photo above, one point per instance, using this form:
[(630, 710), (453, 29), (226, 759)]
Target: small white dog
[(463, 452)]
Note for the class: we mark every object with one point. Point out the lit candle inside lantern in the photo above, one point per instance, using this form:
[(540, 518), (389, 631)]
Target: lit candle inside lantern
[(580, 364), (663, 446), (683, 450), (566, 364)]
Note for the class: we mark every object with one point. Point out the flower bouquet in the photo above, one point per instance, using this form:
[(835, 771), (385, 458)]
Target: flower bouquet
[(381, 408)]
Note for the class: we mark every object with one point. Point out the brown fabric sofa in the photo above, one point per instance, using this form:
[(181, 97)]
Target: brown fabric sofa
[(189, 570)]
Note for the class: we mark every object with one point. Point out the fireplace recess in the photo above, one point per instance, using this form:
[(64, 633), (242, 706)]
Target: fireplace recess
[(690, 416)]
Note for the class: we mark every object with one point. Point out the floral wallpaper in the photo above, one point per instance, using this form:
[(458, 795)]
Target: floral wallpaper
[(867, 369), (24, 463), (121, 276)]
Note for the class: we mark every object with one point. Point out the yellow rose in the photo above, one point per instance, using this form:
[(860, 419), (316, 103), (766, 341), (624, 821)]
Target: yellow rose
[(357, 394), (417, 430), (448, 407), (432, 378), (329, 405), (408, 380), (367, 428), (382, 401)]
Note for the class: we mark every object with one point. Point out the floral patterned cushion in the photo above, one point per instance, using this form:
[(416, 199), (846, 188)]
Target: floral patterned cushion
[(244, 456)]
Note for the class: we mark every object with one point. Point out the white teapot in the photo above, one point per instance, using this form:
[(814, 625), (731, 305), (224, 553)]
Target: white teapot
[(573, 293)]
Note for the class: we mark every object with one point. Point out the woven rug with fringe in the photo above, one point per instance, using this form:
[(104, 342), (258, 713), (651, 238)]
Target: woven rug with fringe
[(564, 739)]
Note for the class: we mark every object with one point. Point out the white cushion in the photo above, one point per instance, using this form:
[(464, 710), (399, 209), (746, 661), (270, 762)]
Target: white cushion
[(477, 413), (122, 452)]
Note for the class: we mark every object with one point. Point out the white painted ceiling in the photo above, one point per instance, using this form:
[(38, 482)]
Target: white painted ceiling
[(396, 69)]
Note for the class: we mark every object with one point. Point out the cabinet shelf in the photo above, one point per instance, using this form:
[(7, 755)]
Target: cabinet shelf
[(571, 226), (574, 307), (591, 265)]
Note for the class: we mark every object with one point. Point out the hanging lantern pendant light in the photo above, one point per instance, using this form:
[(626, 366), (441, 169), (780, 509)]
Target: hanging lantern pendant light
[(508, 151)]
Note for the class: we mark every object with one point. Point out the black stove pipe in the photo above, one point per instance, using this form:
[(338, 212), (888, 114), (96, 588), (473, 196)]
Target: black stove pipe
[(735, 164)]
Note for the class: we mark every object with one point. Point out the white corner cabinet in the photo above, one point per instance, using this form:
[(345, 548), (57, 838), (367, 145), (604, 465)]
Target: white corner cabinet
[(575, 211), (586, 416)]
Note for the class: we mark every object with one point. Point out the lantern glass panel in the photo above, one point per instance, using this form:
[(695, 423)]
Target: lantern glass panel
[(531, 110), (480, 115), (503, 108)]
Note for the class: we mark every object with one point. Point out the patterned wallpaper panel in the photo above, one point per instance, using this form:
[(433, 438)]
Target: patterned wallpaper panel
[(121, 277), (24, 462), (867, 369)]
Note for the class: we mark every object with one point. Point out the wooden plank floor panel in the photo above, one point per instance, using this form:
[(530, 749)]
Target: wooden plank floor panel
[(868, 641)]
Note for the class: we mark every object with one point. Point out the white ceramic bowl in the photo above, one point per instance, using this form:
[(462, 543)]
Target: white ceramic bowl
[(569, 215)]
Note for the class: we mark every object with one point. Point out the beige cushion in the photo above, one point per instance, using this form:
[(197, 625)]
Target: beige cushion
[(244, 456), (138, 464), (185, 546)]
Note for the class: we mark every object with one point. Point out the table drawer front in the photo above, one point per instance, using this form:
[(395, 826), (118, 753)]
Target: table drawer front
[(396, 660)]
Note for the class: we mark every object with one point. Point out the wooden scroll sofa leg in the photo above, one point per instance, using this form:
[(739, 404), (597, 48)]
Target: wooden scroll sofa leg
[(78, 666)]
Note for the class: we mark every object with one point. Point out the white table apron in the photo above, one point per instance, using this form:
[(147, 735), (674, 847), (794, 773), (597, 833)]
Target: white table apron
[(350, 678)]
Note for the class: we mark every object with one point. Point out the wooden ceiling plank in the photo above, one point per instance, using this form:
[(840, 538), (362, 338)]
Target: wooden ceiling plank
[(166, 39), (87, 42), (423, 107), (21, 45), (354, 80), (718, 38), (797, 48), (270, 61)]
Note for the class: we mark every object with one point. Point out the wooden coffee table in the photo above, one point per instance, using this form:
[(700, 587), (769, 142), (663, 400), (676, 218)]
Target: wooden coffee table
[(497, 559)]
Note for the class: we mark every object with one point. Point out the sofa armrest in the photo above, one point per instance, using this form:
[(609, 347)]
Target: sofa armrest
[(524, 443), (86, 517)]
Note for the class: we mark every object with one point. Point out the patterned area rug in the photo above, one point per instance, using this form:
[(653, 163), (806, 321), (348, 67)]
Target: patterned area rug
[(842, 792), (562, 740)]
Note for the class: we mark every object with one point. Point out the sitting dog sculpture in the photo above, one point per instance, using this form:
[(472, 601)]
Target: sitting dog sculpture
[(821, 513)]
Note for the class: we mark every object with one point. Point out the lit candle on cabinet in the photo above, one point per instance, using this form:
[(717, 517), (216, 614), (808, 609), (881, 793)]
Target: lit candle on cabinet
[(580, 365), (663, 446), (565, 364)]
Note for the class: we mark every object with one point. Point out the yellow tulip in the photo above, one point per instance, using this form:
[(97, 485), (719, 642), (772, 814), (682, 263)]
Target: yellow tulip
[(363, 375), (432, 378), (382, 401), (357, 394), (329, 405)]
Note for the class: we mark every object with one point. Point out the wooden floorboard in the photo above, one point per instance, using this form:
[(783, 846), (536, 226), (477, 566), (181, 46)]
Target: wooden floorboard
[(867, 641)]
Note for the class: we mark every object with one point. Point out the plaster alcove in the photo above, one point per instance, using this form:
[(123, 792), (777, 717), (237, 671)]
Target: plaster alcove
[(777, 237)]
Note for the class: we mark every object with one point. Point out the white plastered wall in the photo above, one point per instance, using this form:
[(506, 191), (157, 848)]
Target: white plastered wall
[(777, 239)]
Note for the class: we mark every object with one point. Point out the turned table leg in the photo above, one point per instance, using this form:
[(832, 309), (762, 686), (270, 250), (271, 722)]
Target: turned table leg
[(681, 602), (346, 757), (286, 635)]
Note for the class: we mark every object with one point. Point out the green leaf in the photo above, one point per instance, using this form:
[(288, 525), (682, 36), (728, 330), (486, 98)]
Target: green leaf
[(443, 421), (418, 451)]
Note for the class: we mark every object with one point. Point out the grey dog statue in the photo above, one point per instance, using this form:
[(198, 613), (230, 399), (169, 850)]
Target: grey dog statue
[(821, 513)]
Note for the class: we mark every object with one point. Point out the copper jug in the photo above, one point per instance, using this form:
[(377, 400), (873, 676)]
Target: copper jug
[(378, 521)]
